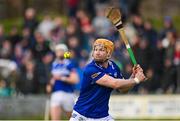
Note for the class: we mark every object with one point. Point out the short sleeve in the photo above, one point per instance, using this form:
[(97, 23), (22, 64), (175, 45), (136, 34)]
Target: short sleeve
[(54, 69), (93, 74)]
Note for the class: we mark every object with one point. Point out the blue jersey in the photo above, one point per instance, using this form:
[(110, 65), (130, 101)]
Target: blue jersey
[(94, 99), (62, 69)]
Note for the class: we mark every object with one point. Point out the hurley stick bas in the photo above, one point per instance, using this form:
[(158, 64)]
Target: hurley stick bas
[(114, 15)]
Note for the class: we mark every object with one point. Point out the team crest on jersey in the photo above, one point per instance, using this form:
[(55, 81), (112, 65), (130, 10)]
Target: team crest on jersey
[(95, 75), (115, 74)]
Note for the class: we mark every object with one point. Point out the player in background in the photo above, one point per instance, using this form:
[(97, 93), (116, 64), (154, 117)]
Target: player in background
[(100, 77), (64, 77)]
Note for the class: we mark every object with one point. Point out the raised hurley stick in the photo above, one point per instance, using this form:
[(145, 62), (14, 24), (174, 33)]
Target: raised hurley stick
[(114, 15)]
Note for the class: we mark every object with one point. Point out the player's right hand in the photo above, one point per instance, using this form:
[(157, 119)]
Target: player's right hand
[(137, 68), (140, 76)]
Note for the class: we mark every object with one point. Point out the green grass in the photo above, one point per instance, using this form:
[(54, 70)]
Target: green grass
[(9, 23), (147, 120), (158, 23), (18, 22)]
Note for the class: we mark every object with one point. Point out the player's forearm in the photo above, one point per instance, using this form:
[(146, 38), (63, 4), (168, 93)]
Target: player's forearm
[(57, 77), (114, 83), (51, 81), (124, 83), (72, 80)]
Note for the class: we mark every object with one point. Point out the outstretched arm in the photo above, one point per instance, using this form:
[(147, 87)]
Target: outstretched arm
[(72, 78), (114, 83), (119, 84)]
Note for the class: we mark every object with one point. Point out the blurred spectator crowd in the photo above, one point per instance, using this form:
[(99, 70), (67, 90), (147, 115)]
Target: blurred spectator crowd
[(26, 55)]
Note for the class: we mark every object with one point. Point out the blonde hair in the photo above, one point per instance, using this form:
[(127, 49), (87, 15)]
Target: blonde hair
[(109, 45)]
